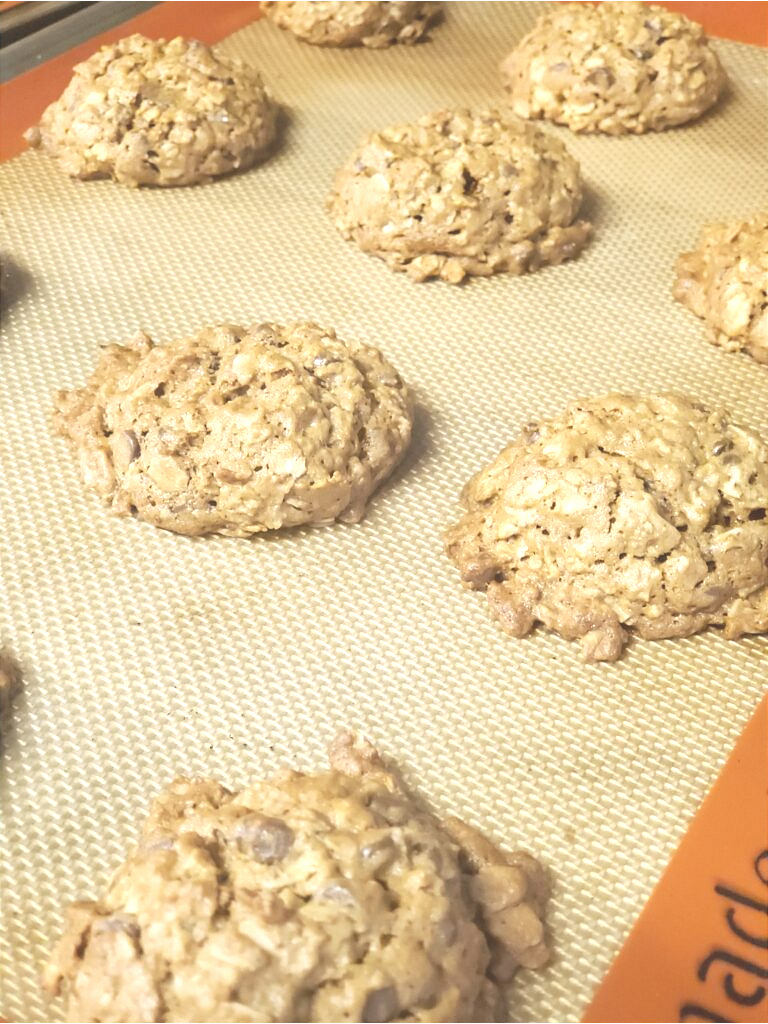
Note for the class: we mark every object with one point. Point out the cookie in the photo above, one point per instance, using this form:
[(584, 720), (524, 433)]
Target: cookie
[(354, 22), (306, 897), (460, 193), (151, 112), (627, 513), (238, 430), (724, 280), (613, 67)]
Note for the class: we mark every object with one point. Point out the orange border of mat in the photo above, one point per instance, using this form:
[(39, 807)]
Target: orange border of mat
[(742, 21), (699, 950)]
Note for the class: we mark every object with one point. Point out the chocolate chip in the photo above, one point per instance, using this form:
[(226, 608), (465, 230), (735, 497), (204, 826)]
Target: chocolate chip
[(390, 809), (601, 77), (265, 333), (268, 840), (381, 1005), (378, 855), (478, 572)]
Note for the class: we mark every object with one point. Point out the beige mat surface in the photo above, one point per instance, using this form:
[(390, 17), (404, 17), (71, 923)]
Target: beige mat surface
[(147, 654)]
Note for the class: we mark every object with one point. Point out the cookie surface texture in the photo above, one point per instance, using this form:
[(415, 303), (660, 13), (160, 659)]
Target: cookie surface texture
[(724, 280), (151, 112), (306, 897), (238, 430), (460, 193), (613, 67), (353, 22), (627, 513)]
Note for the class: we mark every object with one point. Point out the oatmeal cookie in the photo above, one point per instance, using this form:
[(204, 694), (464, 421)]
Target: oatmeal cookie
[(354, 22), (625, 513), (725, 282), (238, 430), (461, 192), (151, 112), (613, 67), (306, 897)]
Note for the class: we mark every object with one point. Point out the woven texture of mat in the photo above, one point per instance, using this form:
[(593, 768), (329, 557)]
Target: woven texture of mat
[(146, 654)]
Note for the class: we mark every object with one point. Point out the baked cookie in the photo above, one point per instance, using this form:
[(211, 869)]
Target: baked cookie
[(613, 67), (323, 897), (625, 513), (461, 192), (725, 282), (353, 22), (9, 679), (151, 112), (238, 430)]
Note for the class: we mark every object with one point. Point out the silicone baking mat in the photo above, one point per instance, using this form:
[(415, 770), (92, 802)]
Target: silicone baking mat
[(146, 655)]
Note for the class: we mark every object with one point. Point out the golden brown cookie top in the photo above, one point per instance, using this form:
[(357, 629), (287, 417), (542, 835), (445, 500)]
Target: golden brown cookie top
[(642, 513), (353, 22), (461, 192), (151, 112), (613, 68), (319, 897), (238, 430)]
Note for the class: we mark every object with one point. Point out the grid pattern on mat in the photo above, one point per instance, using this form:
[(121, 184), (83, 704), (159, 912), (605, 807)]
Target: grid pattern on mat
[(146, 655)]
